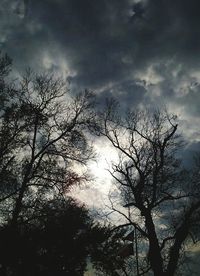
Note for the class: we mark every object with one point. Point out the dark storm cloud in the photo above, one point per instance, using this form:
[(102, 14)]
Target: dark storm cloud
[(135, 50), (124, 92), (188, 154)]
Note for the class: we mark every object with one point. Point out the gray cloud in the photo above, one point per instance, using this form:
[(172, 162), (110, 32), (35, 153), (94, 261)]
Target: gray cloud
[(106, 40), (142, 52)]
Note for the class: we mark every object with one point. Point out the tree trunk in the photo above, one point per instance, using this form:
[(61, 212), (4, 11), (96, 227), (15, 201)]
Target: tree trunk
[(155, 257), (18, 205), (175, 250)]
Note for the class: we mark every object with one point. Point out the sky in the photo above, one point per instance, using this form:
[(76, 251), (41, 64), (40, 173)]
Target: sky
[(143, 52)]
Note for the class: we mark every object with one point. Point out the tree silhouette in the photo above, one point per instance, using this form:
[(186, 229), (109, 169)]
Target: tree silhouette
[(159, 198), (42, 136), (58, 242), (44, 151)]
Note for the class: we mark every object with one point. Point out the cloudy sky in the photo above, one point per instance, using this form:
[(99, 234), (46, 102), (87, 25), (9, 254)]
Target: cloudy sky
[(143, 52)]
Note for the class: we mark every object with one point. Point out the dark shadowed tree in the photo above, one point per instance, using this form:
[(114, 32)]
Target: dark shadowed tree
[(54, 243), (44, 150), (42, 139), (158, 197), (105, 245), (58, 242)]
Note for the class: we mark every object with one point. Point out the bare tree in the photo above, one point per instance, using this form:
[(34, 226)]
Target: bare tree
[(160, 199), (42, 138), (44, 150)]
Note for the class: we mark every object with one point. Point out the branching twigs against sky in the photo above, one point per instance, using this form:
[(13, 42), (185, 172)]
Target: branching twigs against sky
[(152, 181), (46, 128)]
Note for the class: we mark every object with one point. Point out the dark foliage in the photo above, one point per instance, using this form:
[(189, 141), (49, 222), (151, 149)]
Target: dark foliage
[(56, 243)]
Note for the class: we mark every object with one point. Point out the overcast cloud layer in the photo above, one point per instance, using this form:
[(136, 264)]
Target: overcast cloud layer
[(144, 52)]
